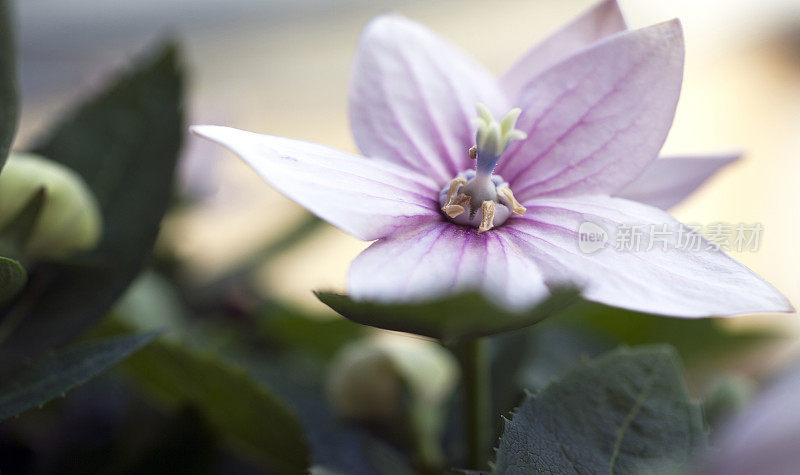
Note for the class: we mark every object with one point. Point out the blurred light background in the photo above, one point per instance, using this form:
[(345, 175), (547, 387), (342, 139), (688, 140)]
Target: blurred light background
[(282, 67)]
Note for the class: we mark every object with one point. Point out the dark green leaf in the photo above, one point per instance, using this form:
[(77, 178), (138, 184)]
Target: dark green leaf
[(8, 88), (298, 331), (695, 339), (124, 142), (530, 359), (335, 443), (17, 232), (248, 415), (450, 319), (12, 279), (184, 444), (625, 412), (54, 374)]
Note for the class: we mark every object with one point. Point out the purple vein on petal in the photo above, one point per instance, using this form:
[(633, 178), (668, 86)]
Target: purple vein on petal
[(438, 130), (581, 120)]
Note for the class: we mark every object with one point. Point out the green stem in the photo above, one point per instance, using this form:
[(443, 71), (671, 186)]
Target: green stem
[(474, 358)]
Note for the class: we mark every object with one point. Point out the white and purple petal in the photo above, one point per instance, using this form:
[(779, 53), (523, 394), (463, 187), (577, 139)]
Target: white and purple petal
[(603, 19), (442, 259), (598, 119), (368, 199), (413, 96), (669, 180), (679, 281)]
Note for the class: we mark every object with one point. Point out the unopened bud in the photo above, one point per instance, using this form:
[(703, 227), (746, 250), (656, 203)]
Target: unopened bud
[(69, 219), (368, 377)]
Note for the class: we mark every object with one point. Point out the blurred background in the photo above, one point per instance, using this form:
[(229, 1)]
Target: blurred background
[(282, 67)]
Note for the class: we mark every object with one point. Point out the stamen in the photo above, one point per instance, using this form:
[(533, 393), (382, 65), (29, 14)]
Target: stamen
[(506, 193), (480, 190), (488, 216), (457, 206), (455, 184)]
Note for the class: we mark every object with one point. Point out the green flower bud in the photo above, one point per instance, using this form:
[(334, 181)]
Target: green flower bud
[(367, 378), (69, 219)]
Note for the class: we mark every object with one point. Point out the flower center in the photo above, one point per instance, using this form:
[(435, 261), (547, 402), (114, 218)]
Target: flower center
[(477, 197)]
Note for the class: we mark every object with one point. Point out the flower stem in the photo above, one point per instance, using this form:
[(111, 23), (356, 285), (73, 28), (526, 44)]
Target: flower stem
[(474, 358)]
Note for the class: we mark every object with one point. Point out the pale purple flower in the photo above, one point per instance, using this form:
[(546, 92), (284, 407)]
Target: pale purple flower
[(595, 104)]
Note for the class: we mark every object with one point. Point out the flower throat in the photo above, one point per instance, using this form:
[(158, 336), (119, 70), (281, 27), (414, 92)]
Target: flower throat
[(477, 197)]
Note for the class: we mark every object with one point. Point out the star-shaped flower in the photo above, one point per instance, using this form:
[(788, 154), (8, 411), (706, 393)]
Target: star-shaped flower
[(458, 201)]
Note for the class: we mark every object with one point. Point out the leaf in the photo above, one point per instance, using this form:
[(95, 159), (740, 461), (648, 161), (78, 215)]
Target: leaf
[(530, 359), (54, 374), (124, 142), (12, 280), (336, 444), (695, 339), (625, 412), (183, 444), (450, 319), (248, 415), (8, 88), (297, 331), (15, 233)]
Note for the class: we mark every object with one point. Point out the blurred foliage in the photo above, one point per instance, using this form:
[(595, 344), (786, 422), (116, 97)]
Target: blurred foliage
[(281, 363), (625, 412), (12, 279), (725, 397), (235, 381), (124, 143), (8, 92), (15, 232), (183, 444), (531, 358), (294, 330), (54, 374), (451, 319), (249, 416), (695, 339)]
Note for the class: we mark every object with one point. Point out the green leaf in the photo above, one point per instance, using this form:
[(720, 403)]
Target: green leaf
[(184, 444), (530, 359), (625, 412), (695, 339), (54, 374), (124, 142), (249, 416), (451, 319), (17, 232), (12, 279), (295, 330), (8, 88)]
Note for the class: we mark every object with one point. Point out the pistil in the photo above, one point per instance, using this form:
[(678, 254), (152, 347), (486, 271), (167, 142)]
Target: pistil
[(478, 197)]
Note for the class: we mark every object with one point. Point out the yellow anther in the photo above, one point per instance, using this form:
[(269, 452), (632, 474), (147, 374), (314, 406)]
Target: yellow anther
[(506, 193), (454, 186), (473, 152), (456, 206), (488, 216)]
